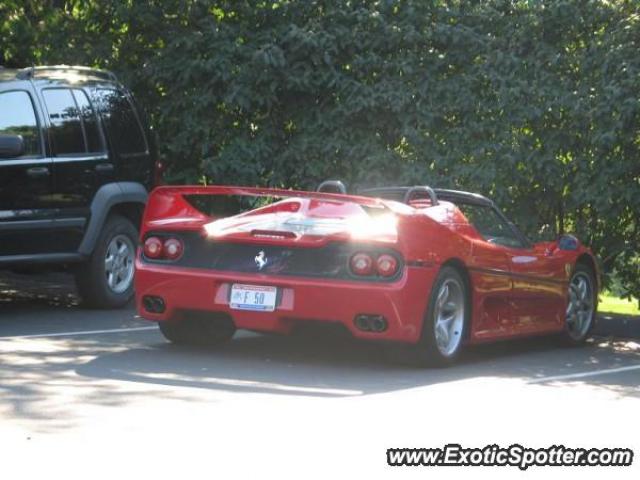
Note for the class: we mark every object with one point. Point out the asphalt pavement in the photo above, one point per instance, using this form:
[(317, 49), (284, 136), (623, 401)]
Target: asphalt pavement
[(98, 393)]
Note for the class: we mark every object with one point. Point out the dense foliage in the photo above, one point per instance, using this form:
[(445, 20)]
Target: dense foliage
[(536, 104)]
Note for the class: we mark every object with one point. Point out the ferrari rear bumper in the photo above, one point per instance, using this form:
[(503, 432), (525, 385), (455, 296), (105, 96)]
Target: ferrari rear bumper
[(401, 303)]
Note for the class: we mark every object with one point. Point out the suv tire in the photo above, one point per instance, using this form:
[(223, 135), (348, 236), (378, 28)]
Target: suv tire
[(105, 280)]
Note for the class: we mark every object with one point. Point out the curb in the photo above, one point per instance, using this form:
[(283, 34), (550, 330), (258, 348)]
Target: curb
[(617, 325)]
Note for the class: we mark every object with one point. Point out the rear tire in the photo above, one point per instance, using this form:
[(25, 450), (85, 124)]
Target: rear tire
[(105, 280), (445, 322), (199, 329)]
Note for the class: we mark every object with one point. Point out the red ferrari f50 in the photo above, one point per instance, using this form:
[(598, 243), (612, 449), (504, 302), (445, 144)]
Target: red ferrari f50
[(434, 269)]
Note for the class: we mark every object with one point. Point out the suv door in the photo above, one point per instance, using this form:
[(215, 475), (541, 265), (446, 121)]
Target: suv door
[(26, 210), (126, 136), (80, 160)]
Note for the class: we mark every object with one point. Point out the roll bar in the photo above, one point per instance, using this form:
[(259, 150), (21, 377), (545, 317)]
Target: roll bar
[(408, 196), (332, 186)]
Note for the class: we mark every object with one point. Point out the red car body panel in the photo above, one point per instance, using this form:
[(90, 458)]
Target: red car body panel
[(514, 291)]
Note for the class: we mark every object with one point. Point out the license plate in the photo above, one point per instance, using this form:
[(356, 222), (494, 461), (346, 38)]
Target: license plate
[(253, 297)]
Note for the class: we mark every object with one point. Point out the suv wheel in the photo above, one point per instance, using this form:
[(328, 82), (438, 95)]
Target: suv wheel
[(106, 279)]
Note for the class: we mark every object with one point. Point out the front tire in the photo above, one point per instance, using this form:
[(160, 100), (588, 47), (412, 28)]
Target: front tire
[(446, 320), (581, 306), (106, 279)]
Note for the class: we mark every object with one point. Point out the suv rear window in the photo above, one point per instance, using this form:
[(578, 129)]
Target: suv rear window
[(65, 132), (19, 118), (89, 121), (122, 122), (73, 123)]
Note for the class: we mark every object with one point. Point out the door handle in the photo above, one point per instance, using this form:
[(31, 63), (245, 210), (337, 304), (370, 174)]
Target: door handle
[(104, 168), (38, 172)]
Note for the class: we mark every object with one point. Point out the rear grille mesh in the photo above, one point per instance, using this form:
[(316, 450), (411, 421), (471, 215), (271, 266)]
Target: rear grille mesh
[(329, 261)]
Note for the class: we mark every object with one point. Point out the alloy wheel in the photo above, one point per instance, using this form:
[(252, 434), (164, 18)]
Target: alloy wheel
[(119, 263), (580, 306), (449, 316)]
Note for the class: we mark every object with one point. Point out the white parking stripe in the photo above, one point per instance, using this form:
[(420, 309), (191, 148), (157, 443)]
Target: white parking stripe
[(593, 373), (86, 332)]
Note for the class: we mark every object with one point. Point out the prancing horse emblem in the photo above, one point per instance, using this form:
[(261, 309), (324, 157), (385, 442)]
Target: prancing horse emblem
[(261, 260)]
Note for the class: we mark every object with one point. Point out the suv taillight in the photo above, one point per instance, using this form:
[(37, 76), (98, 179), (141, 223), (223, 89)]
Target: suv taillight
[(158, 173)]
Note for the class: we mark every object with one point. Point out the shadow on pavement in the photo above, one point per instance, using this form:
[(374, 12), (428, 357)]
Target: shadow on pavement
[(115, 370), (52, 290), (45, 379), (330, 367)]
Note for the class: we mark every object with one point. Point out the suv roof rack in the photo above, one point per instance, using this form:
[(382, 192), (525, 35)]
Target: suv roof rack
[(31, 72)]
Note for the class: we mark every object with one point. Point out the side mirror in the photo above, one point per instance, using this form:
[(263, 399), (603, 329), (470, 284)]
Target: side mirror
[(568, 242), (11, 146), (563, 242)]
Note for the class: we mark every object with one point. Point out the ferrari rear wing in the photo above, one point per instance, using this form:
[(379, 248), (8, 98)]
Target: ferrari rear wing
[(188, 207), (264, 192)]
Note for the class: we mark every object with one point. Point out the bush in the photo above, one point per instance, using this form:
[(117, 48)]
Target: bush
[(533, 103)]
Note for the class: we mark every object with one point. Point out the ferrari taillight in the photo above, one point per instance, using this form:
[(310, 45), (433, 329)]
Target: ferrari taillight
[(153, 247), (387, 265), (163, 248), (172, 248), (361, 264), (372, 264)]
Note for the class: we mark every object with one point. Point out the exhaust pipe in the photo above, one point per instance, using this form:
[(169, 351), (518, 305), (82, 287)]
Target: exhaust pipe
[(370, 323), (153, 304)]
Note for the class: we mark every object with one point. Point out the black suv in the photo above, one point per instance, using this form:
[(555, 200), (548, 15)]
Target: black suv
[(77, 159)]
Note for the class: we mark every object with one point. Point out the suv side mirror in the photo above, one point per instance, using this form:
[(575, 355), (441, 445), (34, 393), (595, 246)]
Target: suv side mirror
[(11, 146)]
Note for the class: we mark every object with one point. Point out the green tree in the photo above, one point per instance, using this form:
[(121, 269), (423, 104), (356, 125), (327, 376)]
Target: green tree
[(533, 103)]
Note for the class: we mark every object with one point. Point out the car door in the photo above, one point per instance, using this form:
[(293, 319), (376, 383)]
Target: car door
[(26, 210), (537, 294), (79, 159), (489, 266), (538, 290)]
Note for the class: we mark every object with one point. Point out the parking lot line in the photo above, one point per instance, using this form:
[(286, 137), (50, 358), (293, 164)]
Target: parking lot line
[(73, 334), (593, 373)]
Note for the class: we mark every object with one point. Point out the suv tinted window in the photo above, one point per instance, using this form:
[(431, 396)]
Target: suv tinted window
[(89, 122), (19, 118), (490, 225), (65, 132), (122, 121)]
